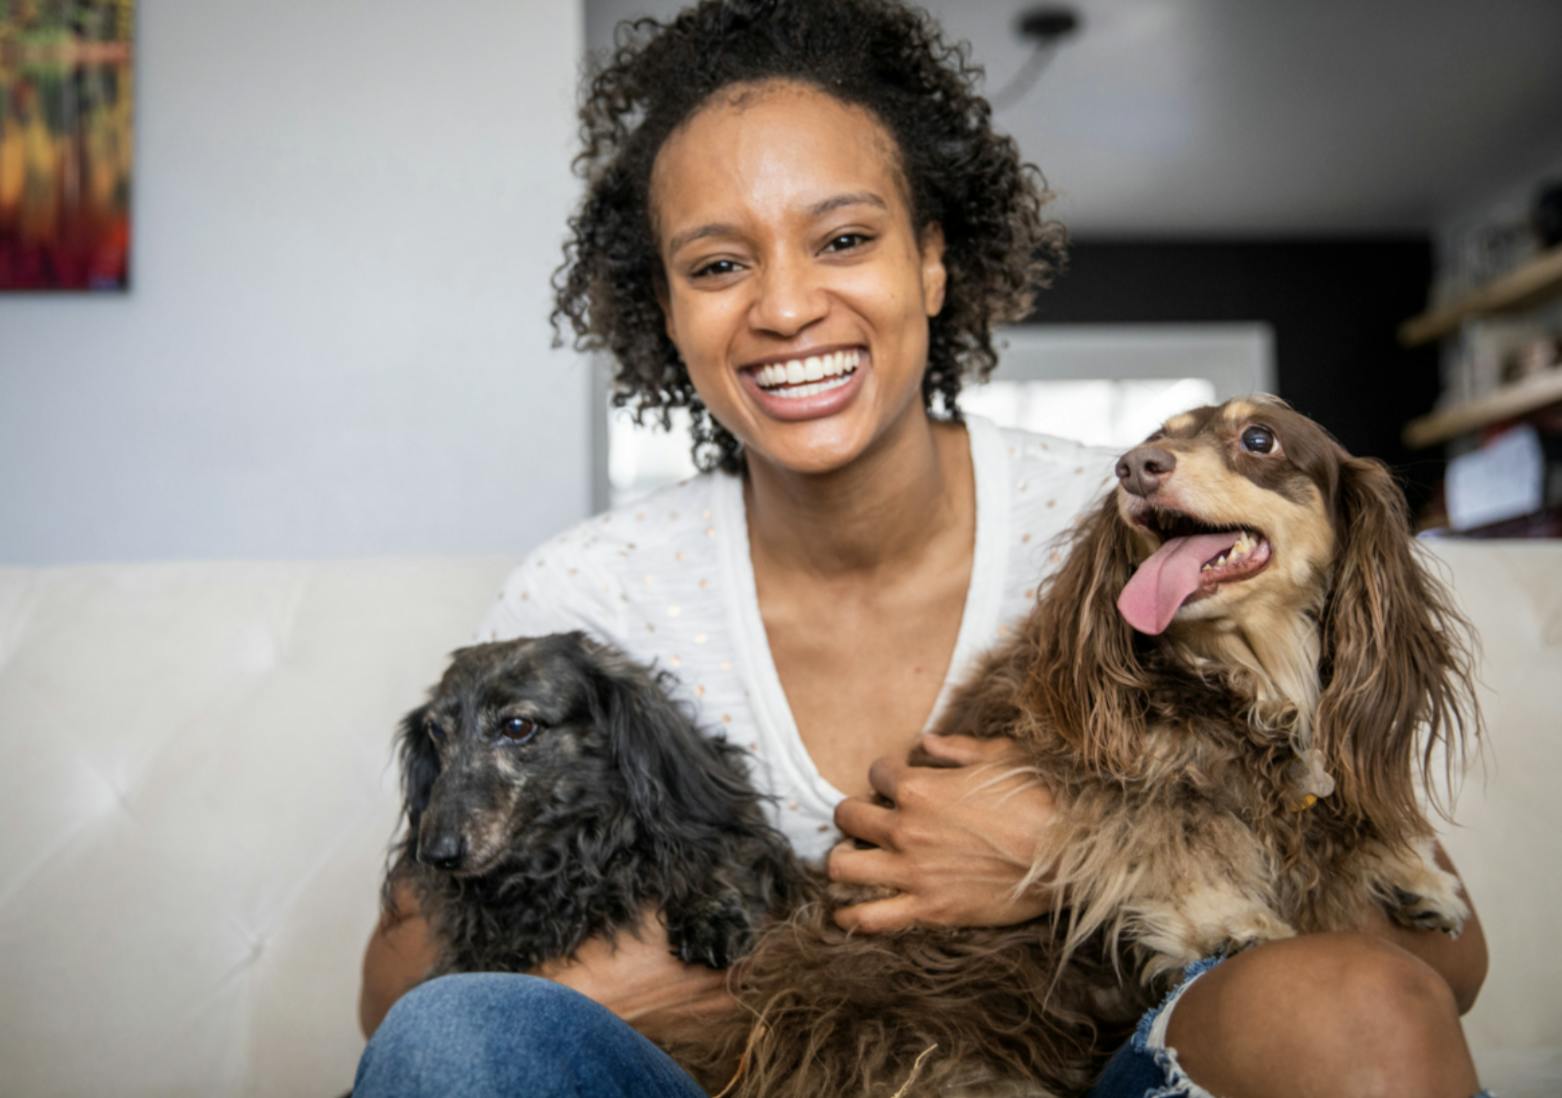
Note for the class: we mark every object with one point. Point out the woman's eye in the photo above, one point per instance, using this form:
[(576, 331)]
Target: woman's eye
[(843, 242), (714, 269), (519, 729), (1258, 440)]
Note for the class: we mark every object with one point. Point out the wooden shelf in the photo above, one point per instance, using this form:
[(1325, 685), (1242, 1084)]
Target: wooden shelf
[(1538, 278), (1508, 402)]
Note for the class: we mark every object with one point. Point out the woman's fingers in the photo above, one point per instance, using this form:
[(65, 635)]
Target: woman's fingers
[(846, 864), (967, 750), (956, 842), (878, 916), (861, 819), (885, 774)]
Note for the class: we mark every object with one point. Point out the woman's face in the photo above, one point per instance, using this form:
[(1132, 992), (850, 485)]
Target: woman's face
[(797, 289)]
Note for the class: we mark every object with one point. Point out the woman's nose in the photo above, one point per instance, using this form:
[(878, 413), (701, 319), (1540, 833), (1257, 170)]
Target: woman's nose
[(790, 299)]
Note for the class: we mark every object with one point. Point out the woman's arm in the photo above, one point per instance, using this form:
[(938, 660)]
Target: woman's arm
[(637, 977), (955, 858), (398, 956), (634, 975)]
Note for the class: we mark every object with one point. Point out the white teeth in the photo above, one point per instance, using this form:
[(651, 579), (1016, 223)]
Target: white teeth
[(794, 392), (802, 373)]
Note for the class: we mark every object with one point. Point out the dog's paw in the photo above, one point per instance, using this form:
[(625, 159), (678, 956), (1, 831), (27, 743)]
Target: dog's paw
[(1254, 928), (1423, 895), (713, 932), (1445, 911)]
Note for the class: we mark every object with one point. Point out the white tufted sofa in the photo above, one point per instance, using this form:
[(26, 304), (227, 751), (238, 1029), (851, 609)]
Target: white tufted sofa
[(197, 791)]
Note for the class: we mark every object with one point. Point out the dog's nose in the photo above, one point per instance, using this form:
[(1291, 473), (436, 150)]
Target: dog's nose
[(444, 852), (1143, 468)]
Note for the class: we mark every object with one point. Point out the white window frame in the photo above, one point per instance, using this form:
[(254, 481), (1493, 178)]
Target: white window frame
[(1238, 358)]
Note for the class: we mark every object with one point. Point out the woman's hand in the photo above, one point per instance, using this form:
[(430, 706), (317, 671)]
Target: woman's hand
[(956, 843), (636, 976)]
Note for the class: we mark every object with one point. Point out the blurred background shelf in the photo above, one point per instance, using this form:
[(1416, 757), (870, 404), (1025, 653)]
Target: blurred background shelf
[(1531, 281), (1509, 402)]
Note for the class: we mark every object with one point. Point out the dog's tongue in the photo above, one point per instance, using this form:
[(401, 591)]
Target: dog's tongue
[(1161, 585)]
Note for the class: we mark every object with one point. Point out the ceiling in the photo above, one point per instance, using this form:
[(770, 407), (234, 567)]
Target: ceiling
[(1268, 117)]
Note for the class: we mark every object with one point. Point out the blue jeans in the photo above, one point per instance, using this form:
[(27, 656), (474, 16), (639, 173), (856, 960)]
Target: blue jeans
[(488, 1033), (493, 1033)]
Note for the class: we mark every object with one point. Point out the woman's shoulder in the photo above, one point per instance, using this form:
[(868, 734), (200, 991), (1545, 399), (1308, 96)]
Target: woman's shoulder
[(581, 577)]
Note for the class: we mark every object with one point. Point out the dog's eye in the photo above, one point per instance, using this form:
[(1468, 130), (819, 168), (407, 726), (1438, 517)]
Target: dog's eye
[(1258, 440), (519, 729), (435, 733)]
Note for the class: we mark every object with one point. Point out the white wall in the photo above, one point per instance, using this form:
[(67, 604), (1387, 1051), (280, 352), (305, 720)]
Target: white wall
[(345, 216)]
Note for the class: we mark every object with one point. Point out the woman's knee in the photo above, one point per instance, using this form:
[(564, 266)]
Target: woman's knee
[(1392, 1010), (464, 999), (469, 1032), (1348, 1012)]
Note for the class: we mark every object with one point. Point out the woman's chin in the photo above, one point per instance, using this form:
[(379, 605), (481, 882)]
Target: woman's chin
[(824, 442), (810, 447), (826, 446)]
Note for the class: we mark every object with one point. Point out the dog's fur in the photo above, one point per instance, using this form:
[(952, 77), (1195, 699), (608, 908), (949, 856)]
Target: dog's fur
[(1184, 768), (559, 793)]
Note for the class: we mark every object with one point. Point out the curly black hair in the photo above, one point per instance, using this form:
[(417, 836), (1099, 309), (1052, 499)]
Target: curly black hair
[(877, 54)]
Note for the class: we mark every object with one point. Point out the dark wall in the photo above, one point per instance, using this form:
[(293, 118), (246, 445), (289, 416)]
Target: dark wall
[(1333, 305)]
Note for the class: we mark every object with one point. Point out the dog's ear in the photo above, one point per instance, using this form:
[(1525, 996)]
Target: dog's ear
[(1086, 681), (419, 770), (671, 771), (1396, 660), (419, 767)]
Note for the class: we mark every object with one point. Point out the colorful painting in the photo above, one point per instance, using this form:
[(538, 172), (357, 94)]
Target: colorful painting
[(65, 144)]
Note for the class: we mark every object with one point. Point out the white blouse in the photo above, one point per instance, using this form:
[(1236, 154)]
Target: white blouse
[(669, 580)]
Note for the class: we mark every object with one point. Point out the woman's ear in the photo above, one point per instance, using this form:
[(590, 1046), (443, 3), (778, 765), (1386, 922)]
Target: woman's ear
[(935, 279)]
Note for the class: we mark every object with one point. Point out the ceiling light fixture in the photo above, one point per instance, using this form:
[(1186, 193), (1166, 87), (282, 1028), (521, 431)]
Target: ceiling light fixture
[(1045, 26)]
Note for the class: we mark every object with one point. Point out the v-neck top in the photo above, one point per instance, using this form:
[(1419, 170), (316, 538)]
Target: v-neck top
[(669, 579)]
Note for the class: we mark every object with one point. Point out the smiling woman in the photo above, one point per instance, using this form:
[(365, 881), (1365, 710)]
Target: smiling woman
[(913, 107), (797, 257), (800, 226)]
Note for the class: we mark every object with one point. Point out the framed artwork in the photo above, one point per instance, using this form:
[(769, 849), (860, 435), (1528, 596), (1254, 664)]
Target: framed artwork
[(65, 144)]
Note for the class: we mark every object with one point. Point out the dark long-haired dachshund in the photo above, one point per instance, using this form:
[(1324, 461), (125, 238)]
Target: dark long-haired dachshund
[(1233, 687), (552, 792)]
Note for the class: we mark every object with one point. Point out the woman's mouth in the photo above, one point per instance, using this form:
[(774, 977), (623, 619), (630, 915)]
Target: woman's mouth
[(808, 386), (802, 377)]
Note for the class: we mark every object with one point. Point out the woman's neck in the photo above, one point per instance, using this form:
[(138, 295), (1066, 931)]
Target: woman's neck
[(910, 489)]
